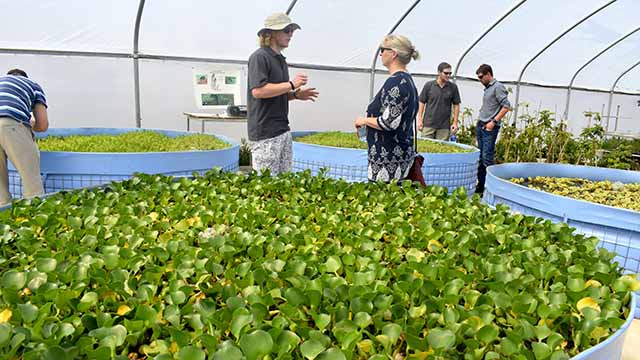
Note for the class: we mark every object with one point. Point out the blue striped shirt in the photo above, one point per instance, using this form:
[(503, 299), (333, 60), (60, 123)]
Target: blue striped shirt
[(18, 96)]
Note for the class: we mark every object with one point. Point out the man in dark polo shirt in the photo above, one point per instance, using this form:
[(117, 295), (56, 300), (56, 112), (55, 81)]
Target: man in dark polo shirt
[(269, 93), (434, 108)]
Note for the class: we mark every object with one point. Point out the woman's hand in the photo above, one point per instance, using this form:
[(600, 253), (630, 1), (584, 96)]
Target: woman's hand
[(360, 122)]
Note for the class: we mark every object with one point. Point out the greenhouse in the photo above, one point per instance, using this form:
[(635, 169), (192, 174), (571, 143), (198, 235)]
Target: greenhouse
[(244, 179)]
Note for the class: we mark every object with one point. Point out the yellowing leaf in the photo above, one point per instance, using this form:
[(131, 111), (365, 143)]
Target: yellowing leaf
[(193, 220), (123, 309), (587, 302), (594, 283), (25, 292), (424, 354), (416, 254), (434, 245), (5, 316), (174, 347), (599, 332), (632, 280), (490, 227), (365, 346)]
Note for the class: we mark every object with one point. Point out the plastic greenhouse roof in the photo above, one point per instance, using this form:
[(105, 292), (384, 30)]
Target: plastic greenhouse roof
[(345, 34)]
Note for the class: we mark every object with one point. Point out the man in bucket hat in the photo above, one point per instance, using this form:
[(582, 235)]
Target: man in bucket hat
[(269, 93)]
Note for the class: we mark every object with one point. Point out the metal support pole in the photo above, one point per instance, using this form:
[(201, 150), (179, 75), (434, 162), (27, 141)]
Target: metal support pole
[(515, 110), (614, 86), (136, 67), (617, 117), (566, 108), (375, 56), (290, 8), (455, 71)]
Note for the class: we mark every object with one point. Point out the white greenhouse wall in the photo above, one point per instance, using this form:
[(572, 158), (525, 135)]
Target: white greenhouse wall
[(91, 91), (81, 91)]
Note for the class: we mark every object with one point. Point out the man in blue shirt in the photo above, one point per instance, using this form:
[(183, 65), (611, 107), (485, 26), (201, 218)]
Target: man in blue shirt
[(19, 98), (495, 105)]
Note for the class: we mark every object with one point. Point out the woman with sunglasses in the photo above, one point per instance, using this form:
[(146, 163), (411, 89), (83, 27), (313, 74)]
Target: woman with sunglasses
[(391, 114)]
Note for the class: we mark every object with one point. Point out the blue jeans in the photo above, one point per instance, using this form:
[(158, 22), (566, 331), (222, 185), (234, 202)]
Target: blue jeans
[(487, 145)]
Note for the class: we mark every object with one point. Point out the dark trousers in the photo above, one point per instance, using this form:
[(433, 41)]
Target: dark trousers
[(487, 145)]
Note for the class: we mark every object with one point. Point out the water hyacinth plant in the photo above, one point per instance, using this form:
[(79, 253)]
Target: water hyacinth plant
[(350, 140), (134, 141), (234, 266), (606, 192)]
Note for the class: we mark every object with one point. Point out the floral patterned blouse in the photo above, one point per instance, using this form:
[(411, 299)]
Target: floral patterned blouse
[(391, 150)]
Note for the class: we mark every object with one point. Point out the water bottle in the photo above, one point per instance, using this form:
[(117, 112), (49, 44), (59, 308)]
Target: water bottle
[(453, 138), (362, 132)]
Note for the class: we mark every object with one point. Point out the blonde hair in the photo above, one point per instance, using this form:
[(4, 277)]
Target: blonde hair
[(402, 46), (264, 39)]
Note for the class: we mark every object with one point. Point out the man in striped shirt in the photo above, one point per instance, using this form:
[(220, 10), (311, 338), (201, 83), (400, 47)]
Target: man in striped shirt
[(19, 98)]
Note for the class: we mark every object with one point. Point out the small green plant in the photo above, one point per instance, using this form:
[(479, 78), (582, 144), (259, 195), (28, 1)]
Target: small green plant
[(539, 137), (467, 128), (245, 153), (590, 139), (618, 158)]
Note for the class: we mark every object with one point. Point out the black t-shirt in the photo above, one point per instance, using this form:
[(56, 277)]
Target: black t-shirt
[(438, 101), (267, 118)]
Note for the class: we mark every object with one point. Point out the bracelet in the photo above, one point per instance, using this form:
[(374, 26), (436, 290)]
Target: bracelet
[(292, 86)]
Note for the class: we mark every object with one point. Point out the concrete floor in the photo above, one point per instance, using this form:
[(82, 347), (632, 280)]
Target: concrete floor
[(631, 349)]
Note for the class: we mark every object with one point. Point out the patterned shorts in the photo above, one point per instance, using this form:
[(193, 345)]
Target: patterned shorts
[(274, 154)]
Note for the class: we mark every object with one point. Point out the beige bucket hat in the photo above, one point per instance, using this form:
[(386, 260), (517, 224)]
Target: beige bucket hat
[(278, 21)]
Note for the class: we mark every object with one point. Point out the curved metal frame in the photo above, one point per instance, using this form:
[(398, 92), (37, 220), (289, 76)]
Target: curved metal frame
[(290, 8), (136, 65), (614, 86), (455, 72), (375, 57), (99, 54), (565, 115), (515, 110), (135, 55)]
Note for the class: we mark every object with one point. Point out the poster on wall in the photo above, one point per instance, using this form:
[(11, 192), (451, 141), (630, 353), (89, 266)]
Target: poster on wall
[(216, 89)]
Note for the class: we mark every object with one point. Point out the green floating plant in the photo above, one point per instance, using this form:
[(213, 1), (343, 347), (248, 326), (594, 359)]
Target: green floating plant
[(232, 266), (350, 140), (130, 142)]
